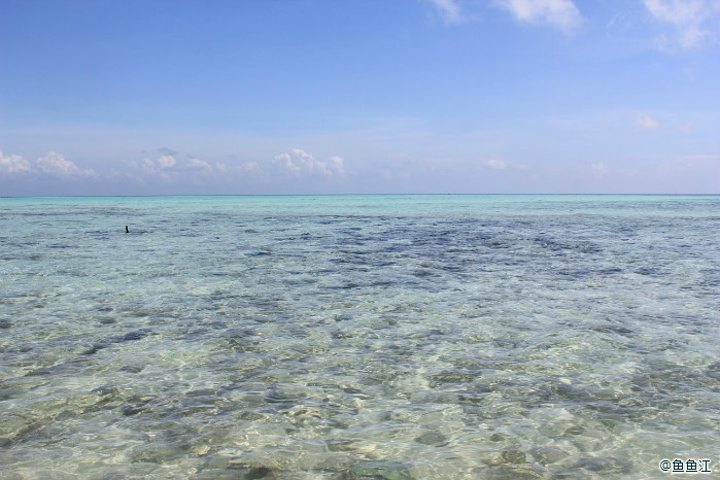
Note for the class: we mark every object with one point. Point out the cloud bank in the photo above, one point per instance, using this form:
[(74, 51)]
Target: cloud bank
[(14, 164), (299, 171), (299, 162)]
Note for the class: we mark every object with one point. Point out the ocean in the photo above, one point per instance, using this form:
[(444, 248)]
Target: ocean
[(357, 337)]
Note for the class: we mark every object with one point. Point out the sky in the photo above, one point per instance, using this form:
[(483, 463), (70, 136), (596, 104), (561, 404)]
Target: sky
[(188, 97)]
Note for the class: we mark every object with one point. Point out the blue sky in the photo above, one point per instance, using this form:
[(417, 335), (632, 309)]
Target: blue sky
[(359, 96)]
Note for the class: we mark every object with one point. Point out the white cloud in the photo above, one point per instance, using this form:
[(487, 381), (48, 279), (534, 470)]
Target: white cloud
[(301, 162), (690, 19), (562, 14), (166, 161), (169, 169), (289, 164), (197, 164), (496, 164), (14, 164), (52, 164), (148, 166), (449, 10), (644, 121), (163, 166), (55, 164)]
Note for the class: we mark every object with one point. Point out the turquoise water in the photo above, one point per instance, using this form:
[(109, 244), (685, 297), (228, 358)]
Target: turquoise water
[(344, 337)]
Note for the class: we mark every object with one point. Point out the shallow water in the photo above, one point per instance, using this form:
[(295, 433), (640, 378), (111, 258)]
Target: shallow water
[(395, 337)]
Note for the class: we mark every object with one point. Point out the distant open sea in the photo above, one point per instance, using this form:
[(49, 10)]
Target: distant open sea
[(359, 337)]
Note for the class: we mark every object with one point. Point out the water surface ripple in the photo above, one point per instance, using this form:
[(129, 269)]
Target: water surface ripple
[(390, 337)]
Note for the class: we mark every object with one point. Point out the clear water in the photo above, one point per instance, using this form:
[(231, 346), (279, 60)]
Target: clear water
[(391, 337)]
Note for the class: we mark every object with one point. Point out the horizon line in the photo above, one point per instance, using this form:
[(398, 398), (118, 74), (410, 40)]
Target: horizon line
[(359, 195)]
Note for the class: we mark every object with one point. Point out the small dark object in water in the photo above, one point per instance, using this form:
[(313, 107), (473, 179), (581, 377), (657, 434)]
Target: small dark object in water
[(127, 230)]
